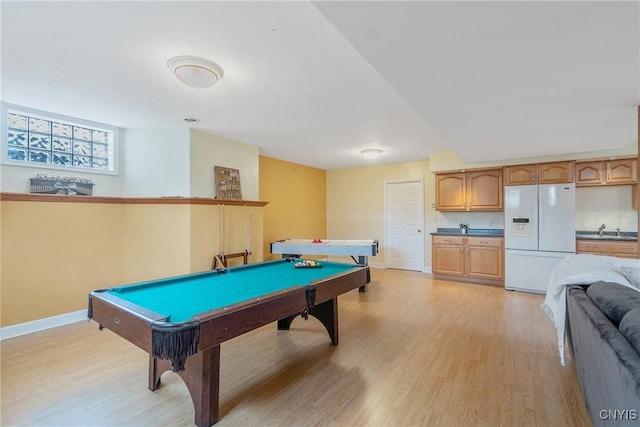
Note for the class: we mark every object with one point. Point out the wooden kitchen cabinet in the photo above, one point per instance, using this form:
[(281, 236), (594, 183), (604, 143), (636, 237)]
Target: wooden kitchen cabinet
[(555, 173), (590, 173), (606, 172), (484, 258), (447, 255), (472, 258), (479, 190), (623, 171), (541, 173), (520, 175), (484, 190), (451, 191), (609, 248)]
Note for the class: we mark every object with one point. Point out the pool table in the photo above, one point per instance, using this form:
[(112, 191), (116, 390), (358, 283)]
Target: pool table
[(181, 321)]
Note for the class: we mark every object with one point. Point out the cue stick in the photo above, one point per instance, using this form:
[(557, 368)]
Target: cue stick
[(249, 228), (221, 227)]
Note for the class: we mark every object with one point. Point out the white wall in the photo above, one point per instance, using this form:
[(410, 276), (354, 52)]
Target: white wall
[(605, 205), (474, 219), (158, 163), (155, 162), (209, 150), (15, 179)]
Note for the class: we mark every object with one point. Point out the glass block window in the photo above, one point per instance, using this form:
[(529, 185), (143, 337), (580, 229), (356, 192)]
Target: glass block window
[(48, 141)]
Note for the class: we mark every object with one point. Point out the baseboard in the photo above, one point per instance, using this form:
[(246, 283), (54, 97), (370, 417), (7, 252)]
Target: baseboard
[(42, 324), (427, 269)]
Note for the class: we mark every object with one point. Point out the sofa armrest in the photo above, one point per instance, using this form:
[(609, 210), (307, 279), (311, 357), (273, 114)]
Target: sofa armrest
[(608, 367)]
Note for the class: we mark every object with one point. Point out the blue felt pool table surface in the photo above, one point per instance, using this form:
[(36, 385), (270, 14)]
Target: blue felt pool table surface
[(181, 298)]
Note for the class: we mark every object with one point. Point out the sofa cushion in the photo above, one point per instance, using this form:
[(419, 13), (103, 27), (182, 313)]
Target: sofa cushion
[(614, 300), (630, 327)]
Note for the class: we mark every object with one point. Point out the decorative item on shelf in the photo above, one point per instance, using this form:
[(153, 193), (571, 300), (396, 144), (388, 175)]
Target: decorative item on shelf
[(464, 226), (227, 183), (71, 186)]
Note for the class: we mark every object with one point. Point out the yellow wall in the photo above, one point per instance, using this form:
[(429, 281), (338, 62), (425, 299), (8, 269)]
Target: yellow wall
[(54, 254), (297, 201), (155, 242), (241, 228), (355, 201)]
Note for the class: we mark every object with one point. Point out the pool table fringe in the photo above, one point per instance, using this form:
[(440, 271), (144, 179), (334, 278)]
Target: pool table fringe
[(175, 342)]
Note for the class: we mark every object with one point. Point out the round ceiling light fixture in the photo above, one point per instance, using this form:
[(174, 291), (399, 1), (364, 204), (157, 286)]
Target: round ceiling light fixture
[(195, 72), (371, 153)]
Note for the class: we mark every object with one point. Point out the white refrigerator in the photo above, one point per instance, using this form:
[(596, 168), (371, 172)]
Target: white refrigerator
[(540, 224)]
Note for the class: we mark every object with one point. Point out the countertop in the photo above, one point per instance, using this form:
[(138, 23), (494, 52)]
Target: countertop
[(483, 232), (610, 236)]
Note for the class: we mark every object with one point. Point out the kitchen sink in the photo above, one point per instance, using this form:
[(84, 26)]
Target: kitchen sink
[(604, 237)]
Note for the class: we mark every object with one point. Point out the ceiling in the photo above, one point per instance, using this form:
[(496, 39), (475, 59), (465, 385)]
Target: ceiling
[(316, 82)]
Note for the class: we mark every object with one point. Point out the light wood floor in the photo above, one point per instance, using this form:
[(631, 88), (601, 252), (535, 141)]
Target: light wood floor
[(413, 352)]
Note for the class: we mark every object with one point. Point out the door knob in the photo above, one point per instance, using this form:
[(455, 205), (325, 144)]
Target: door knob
[(419, 230)]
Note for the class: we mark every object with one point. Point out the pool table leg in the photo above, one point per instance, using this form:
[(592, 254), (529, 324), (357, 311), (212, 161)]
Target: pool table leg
[(362, 260), (202, 377), (326, 313)]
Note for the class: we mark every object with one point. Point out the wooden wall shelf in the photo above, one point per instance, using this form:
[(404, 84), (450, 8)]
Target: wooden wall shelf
[(54, 198)]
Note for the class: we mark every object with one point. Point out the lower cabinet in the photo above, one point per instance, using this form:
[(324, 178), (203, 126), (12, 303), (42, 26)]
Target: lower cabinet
[(484, 257), (608, 248), (469, 257), (447, 255)]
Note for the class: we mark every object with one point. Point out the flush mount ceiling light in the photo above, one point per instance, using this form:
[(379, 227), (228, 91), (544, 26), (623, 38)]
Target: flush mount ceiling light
[(195, 72), (371, 153)]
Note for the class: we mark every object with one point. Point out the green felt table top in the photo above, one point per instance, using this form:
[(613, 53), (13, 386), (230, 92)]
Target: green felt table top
[(181, 298)]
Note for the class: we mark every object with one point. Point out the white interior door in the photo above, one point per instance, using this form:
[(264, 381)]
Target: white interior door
[(404, 225)]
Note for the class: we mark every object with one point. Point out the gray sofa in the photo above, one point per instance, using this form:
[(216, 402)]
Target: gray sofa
[(603, 327)]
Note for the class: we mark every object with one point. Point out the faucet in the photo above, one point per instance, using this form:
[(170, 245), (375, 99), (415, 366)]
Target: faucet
[(602, 227), (617, 232)]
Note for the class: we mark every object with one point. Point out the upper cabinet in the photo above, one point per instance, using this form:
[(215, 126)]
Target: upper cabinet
[(542, 173), (479, 190), (451, 191), (606, 172)]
